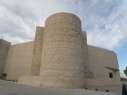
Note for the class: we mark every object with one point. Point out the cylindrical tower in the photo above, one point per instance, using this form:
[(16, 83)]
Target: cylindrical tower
[(64, 54)]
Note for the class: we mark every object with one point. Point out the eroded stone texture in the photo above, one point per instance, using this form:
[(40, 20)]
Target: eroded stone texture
[(4, 47), (64, 55), (37, 52), (19, 60)]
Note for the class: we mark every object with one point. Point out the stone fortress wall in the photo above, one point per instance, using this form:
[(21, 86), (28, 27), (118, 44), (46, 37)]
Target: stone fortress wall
[(60, 57), (19, 60), (64, 53), (37, 51), (4, 48)]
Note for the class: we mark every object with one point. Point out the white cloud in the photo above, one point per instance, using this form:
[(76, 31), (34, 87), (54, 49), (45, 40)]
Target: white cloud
[(19, 18), (110, 40), (104, 20), (106, 26)]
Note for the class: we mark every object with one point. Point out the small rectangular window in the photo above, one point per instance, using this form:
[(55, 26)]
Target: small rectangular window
[(3, 76), (110, 75)]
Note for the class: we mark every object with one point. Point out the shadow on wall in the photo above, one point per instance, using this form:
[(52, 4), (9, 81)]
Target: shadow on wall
[(124, 90)]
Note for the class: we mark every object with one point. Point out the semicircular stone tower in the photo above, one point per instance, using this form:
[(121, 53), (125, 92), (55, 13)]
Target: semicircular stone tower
[(64, 61)]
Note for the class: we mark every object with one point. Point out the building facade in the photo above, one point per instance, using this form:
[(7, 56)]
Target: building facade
[(60, 57)]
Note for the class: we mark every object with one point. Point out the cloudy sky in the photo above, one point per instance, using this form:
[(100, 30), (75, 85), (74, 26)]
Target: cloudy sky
[(104, 20)]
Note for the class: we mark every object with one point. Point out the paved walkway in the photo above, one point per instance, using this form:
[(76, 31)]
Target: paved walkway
[(9, 88)]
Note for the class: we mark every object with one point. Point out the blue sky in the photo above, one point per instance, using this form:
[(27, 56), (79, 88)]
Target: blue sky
[(104, 20)]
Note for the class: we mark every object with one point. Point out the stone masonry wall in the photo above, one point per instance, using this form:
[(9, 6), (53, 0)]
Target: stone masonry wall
[(37, 51), (4, 47), (64, 54)]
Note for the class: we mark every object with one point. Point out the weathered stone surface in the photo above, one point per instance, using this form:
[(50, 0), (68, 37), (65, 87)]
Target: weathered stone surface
[(19, 61), (37, 51), (64, 54), (4, 48), (99, 60)]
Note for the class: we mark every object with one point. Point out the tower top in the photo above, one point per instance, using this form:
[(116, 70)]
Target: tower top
[(63, 16)]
